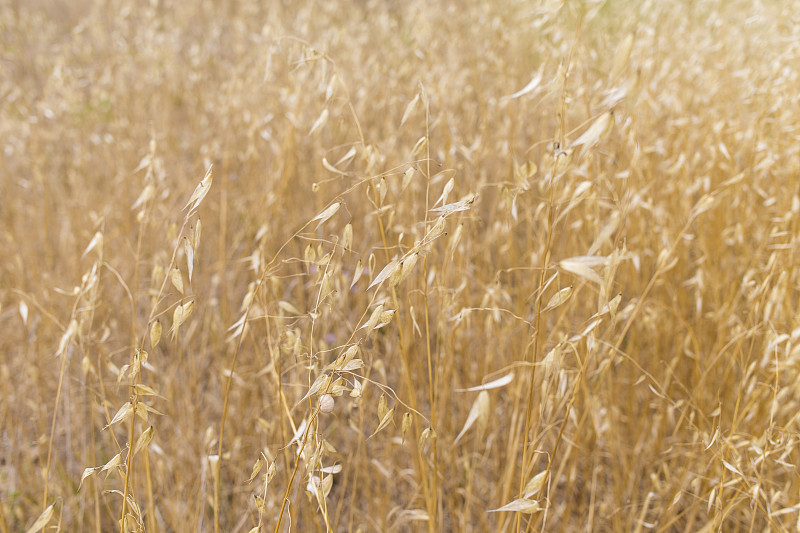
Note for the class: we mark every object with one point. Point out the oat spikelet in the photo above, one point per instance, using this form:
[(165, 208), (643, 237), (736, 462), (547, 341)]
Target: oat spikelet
[(200, 191)]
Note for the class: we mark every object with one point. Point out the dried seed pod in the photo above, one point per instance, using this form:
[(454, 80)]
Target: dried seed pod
[(326, 403)]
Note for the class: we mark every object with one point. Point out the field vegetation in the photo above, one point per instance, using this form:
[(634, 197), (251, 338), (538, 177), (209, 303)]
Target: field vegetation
[(376, 266)]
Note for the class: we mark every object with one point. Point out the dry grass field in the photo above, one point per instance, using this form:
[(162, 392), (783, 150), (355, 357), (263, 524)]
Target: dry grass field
[(376, 266)]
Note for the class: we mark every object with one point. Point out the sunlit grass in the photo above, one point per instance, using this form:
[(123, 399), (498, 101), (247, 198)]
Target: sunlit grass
[(363, 266)]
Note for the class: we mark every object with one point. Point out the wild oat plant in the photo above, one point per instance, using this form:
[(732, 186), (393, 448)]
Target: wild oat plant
[(375, 266)]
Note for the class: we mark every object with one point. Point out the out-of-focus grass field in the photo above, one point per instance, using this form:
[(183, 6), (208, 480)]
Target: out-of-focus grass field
[(407, 266)]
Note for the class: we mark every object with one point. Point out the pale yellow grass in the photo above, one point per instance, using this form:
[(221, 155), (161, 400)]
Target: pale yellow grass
[(414, 266)]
